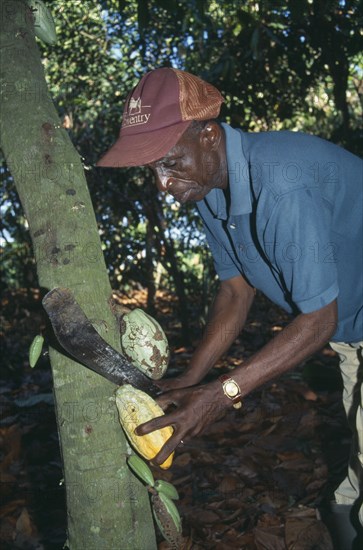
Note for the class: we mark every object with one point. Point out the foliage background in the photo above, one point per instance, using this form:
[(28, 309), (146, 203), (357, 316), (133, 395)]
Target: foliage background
[(293, 65), (280, 65)]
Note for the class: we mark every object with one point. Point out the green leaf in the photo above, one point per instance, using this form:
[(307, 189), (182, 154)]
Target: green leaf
[(44, 26), (141, 469), (35, 350), (167, 489), (172, 510)]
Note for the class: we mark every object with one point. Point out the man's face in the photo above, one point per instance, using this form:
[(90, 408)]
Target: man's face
[(194, 166)]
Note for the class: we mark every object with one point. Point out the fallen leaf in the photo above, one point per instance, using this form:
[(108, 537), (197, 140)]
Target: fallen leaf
[(306, 534), (269, 538), (24, 524)]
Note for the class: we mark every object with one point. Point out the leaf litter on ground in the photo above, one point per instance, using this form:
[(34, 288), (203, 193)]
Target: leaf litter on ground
[(252, 481)]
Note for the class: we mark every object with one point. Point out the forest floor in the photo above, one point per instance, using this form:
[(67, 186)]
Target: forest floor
[(252, 481)]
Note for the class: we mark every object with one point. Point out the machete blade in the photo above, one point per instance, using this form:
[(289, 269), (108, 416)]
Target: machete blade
[(79, 338)]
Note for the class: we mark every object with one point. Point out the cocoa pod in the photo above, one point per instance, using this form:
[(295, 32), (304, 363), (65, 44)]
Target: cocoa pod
[(134, 408)]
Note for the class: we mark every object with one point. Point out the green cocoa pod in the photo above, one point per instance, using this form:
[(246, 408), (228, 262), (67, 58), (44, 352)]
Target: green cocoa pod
[(167, 489), (141, 469), (170, 530), (144, 343), (172, 510), (44, 26), (35, 350)]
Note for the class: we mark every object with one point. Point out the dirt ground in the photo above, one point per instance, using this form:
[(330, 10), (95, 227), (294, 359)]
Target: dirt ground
[(252, 481)]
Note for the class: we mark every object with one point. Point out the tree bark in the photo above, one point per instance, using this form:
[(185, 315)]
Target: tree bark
[(108, 508)]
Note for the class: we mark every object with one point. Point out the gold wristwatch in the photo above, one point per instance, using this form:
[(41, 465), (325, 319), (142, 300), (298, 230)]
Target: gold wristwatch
[(232, 390)]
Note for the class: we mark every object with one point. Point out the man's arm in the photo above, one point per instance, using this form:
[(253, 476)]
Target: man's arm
[(226, 319), (301, 338), (201, 405)]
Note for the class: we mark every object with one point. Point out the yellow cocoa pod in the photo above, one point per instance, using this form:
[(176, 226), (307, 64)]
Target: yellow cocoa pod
[(134, 408)]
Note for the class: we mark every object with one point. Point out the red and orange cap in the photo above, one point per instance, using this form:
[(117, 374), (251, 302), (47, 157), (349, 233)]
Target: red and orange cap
[(156, 114)]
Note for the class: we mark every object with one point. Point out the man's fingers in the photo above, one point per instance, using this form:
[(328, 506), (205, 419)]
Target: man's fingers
[(152, 425), (166, 450), (169, 446), (172, 397), (164, 384), (170, 384), (165, 400)]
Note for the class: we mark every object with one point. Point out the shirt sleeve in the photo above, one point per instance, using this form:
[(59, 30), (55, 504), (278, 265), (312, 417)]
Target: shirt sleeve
[(298, 244)]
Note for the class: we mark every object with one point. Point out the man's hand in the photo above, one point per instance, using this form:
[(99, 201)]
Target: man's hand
[(185, 380), (197, 407)]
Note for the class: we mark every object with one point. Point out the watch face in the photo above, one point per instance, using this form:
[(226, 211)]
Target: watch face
[(231, 389)]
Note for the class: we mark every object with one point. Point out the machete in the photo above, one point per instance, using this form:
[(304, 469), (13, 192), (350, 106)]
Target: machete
[(79, 338)]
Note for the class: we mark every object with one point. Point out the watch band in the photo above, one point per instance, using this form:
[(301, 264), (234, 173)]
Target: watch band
[(231, 390)]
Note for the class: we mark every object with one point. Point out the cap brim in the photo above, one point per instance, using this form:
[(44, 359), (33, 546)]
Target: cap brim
[(141, 149)]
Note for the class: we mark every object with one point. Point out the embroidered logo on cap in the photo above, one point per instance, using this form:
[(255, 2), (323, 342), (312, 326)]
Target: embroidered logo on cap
[(135, 116)]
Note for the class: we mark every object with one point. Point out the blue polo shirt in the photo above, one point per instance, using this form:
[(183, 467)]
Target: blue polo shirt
[(291, 223)]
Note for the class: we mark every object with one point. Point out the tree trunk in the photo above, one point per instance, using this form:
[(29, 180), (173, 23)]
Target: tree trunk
[(108, 508)]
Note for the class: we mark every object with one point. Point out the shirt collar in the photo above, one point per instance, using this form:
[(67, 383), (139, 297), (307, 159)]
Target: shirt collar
[(238, 177)]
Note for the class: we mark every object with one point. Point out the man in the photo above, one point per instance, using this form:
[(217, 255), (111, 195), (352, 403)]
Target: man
[(282, 212)]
